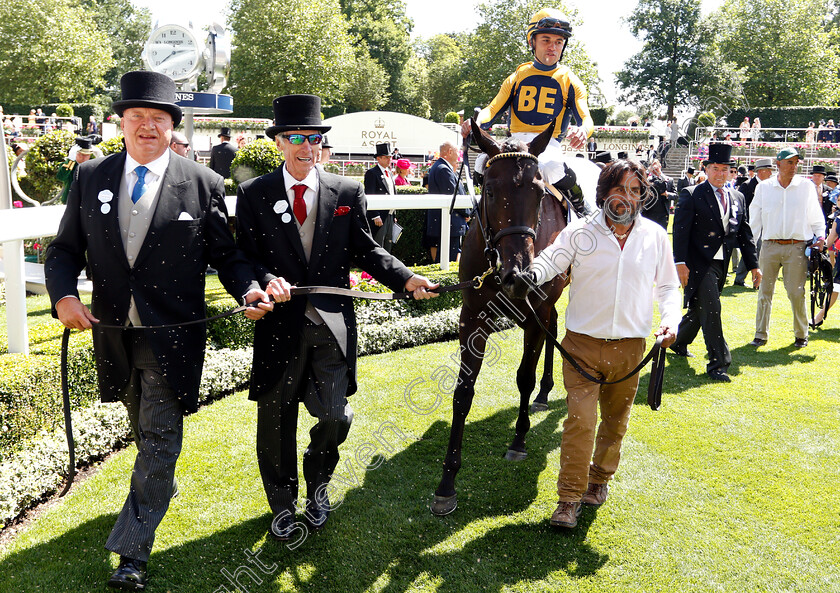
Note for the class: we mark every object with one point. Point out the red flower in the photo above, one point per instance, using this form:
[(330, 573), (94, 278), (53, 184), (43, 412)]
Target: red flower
[(17, 204), (36, 245)]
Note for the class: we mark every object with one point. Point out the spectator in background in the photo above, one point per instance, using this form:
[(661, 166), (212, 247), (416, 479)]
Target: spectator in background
[(687, 179), (379, 181), (396, 154), (821, 133), (763, 170), (442, 180), (67, 170), (830, 131), (92, 127), (658, 209), (180, 145), (326, 152), (744, 129), (241, 141), (221, 155), (404, 167), (810, 133), (755, 132)]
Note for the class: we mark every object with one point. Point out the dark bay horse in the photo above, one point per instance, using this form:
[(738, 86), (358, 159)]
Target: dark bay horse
[(515, 220)]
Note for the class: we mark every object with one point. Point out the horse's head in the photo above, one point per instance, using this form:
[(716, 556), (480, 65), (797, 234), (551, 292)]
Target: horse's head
[(511, 196)]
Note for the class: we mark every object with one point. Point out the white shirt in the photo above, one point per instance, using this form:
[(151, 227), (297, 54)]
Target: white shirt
[(724, 214), (155, 172), (783, 213), (388, 181), (612, 289), (311, 183)]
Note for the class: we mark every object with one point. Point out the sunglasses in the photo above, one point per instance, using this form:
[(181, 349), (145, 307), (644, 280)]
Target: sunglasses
[(298, 139)]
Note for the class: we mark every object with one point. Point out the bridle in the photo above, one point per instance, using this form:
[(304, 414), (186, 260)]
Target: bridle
[(491, 241)]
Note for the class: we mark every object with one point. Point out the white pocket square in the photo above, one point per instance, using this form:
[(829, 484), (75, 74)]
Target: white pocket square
[(184, 216)]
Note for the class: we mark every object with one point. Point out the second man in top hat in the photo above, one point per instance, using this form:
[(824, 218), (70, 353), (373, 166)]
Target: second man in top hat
[(221, 155), (380, 181)]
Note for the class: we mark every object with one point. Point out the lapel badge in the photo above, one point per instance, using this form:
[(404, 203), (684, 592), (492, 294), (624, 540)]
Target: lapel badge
[(281, 206), (105, 196)]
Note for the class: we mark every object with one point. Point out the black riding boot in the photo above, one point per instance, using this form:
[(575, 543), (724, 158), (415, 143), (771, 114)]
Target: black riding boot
[(569, 188)]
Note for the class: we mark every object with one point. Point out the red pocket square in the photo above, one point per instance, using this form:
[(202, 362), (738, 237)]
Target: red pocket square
[(341, 211)]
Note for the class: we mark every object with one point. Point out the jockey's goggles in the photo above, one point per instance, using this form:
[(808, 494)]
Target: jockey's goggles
[(551, 22), (298, 139)]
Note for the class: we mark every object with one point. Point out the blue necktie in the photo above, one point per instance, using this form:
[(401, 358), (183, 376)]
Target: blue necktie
[(140, 186)]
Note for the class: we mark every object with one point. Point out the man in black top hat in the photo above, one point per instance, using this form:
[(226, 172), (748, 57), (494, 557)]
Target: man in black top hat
[(305, 226), (818, 177), (67, 170), (686, 180), (708, 224), (221, 155), (147, 223), (380, 181)]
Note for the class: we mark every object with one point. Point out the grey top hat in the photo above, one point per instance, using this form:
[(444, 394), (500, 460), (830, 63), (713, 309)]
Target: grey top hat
[(148, 89), (763, 164), (297, 112)]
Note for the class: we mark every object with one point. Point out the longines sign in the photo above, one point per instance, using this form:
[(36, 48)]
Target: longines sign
[(359, 133)]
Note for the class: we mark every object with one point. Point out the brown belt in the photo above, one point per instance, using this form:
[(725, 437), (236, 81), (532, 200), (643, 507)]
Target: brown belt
[(785, 241)]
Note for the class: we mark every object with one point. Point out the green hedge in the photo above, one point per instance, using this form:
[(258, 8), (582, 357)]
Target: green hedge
[(43, 160), (784, 117)]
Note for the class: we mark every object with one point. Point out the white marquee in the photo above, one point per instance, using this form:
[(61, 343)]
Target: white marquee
[(360, 132)]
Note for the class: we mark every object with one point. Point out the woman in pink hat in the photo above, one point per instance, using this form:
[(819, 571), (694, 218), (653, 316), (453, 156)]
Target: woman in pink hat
[(403, 167)]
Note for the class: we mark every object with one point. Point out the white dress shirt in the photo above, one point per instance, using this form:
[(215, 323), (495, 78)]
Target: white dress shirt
[(311, 183), (389, 182), (612, 289), (783, 213), (724, 214), (154, 175)]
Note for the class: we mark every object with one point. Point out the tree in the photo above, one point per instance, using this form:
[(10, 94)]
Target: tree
[(288, 46), (445, 62), (783, 46), (367, 88), (498, 46), (127, 27), (411, 88), (51, 52), (670, 70), (385, 30)]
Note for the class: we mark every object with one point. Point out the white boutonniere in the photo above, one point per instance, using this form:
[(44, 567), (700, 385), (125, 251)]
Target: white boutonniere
[(105, 196), (280, 207)]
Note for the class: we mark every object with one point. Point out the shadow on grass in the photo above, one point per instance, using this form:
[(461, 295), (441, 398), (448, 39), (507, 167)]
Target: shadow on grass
[(382, 536)]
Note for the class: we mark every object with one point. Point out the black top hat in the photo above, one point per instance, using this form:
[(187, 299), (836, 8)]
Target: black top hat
[(720, 153), (383, 149), (603, 157), (83, 142), (224, 132), (750, 167), (297, 112), (689, 171), (742, 170), (818, 169), (325, 143), (622, 155), (831, 177), (148, 89)]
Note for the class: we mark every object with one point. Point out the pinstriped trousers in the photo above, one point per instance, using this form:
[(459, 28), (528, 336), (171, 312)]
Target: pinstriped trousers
[(318, 376), (157, 424)]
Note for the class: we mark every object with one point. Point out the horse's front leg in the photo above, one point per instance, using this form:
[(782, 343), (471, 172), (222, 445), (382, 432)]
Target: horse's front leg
[(473, 340), (540, 403), (526, 378)]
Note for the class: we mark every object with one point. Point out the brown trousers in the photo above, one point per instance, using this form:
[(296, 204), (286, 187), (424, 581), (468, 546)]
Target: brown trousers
[(607, 360)]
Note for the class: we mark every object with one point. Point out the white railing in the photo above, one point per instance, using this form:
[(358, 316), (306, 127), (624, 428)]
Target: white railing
[(20, 224)]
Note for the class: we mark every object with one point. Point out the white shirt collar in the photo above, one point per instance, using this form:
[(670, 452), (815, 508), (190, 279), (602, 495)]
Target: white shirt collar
[(157, 166), (310, 181)]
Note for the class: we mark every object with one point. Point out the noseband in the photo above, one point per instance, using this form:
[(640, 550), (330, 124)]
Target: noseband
[(490, 249)]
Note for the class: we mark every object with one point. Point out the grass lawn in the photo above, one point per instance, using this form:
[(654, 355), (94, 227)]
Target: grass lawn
[(729, 487)]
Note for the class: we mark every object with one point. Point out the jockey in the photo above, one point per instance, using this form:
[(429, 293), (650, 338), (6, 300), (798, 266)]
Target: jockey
[(540, 91)]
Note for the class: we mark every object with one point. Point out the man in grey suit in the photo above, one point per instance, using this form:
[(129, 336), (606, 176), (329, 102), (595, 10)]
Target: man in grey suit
[(304, 226), (147, 222)]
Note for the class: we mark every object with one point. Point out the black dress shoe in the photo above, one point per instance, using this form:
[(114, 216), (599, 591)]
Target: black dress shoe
[(283, 526), (129, 576), (757, 342), (317, 512), (682, 351), (736, 283), (719, 375), (800, 342)]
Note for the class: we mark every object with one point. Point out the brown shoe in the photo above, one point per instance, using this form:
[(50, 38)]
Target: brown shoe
[(566, 515), (595, 495)]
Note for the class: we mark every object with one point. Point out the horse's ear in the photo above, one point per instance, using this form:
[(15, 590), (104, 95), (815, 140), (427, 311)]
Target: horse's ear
[(485, 142), (539, 143)]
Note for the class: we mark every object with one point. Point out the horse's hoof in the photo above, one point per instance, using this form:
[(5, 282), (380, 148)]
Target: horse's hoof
[(538, 407), (443, 505), (513, 455)]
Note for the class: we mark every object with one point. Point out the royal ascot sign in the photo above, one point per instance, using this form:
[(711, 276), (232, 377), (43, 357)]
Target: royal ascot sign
[(360, 132)]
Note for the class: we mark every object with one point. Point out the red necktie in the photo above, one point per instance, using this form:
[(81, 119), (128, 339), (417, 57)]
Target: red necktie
[(299, 206), (722, 199)]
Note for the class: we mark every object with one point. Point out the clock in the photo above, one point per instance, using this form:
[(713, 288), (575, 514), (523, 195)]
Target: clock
[(217, 64), (173, 50)]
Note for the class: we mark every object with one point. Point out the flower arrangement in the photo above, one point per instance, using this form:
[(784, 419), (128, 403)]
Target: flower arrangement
[(234, 123)]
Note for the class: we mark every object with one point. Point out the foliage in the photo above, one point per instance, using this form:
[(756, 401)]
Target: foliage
[(600, 115), (288, 46), (451, 118), (43, 160), (706, 119), (127, 27), (785, 117), (410, 89), (445, 64), (254, 159), (367, 86), (384, 30), (64, 110), (622, 118), (670, 70), (112, 145), (51, 51), (497, 46), (784, 65)]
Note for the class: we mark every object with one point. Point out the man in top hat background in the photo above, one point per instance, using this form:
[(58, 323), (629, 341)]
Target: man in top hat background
[(763, 170), (818, 177), (326, 153), (147, 222), (221, 155), (708, 223), (67, 170), (380, 181), (686, 180), (304, 226), (785, 214)]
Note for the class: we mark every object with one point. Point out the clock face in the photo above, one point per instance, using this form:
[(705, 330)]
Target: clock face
[(173, 50)]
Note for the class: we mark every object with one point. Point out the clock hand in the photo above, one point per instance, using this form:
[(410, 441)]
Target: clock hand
[(169, 56)]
